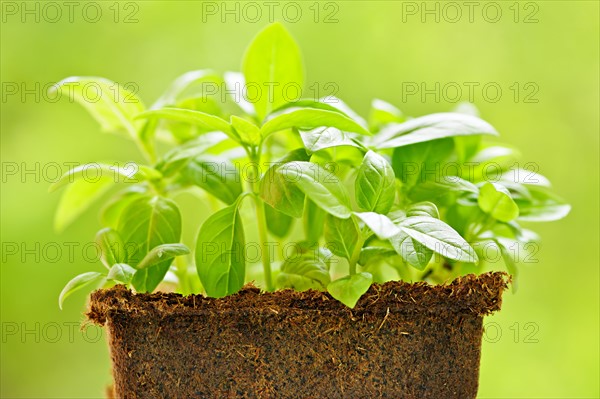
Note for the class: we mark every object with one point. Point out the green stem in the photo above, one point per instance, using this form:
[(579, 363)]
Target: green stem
[(262, 234), (356, 254), (261, 220)]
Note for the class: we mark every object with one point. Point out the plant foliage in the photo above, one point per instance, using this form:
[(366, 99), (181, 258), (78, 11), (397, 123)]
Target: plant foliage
[(391, 197)]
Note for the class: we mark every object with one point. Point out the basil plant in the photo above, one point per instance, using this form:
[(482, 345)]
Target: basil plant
[(327, 200)]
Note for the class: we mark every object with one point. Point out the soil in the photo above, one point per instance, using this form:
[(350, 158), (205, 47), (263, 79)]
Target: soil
[(400, 341)]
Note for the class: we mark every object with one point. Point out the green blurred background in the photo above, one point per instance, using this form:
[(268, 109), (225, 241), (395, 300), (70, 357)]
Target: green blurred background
[(543, 344)]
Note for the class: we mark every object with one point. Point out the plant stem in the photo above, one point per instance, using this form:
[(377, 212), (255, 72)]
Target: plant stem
[(261, 220), (262, 234), (356, 254)]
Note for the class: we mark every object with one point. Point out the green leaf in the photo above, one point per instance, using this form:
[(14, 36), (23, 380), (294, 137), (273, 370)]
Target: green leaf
[(412, 251), (144, 224), (322, 103), (236, 89), (320, 185), (183, 83), (77, 198), (280, 193), (220, 253), (349, 289), (439, 188), (121, 273), (304, 271), (216, 176), (76, 284), (370, 255), (111, 246), (416, 163), (375, 184), (544, 206), (314, 221), (111, 212), (379, 224), (96, 171), (383, 113), (431, 127), (438, 237), (524, 176), (248, 132), (272, 63), (311, 118), (509, 262), (179, 156), (325, 137), (161, 253), (424, 208), (112, 105), (495, 200), (202, 119), (278, 223), (341, 236)]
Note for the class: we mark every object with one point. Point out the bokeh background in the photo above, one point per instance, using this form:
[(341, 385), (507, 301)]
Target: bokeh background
[(544, 343)]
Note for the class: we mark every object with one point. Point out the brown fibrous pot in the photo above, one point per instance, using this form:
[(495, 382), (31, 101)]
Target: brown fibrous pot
[(402, 340)]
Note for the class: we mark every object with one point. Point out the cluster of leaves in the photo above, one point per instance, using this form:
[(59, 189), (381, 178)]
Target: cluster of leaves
[(387, 197)]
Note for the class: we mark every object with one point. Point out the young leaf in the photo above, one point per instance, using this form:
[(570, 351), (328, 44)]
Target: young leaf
[(424, 208), (349, 289), (379, 224), (96, 171), (144, 224), (431, 127), (509, 261), (320, 185), (220, 253), (370, 255), (121, 273), (112, 105), (279, 192), (438, 237), (311, 118), (272, 63), (322, 103), (543, 206), (314, 221), (236, 89), (495, 200), (303, 272), (341, 236), (111, 246), (202, 119), (76, 284), (248, 132), (178, 157), (161, 253), (183, 83), (325, 137), (439, 188), (383, 113), (278, 223), (111, 212), (216, 176), (77, 198), (412, 251), (375, 184), (416, 163)]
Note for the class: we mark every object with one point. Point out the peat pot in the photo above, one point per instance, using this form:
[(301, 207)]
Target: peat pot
[(400, 341)]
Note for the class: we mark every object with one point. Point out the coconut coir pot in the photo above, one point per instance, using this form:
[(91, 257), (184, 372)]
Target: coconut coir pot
[(401, 341)]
